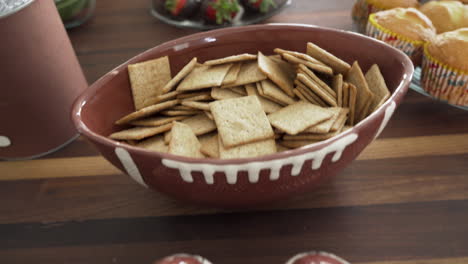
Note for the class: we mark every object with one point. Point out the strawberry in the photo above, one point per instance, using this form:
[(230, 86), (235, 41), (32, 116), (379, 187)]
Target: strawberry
[(259, 5), (182, 8), (220, 11)]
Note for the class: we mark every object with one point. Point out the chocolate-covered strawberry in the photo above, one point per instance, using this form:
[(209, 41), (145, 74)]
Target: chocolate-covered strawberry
[(262, 6), (219, 11), (182, 8)]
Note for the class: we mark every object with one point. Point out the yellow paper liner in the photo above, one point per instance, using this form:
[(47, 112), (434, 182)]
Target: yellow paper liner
[(361, 11), (412, 48), (442, 81)]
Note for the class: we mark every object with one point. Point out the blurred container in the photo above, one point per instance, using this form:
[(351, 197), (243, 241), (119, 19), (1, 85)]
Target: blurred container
[(40, 77), (75, 12)]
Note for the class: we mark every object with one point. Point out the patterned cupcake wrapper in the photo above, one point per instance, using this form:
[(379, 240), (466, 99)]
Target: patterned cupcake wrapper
[(410, 47), (444, 82), (361, 11)]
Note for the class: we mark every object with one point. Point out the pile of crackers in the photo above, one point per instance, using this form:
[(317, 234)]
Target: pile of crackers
[(247, 105)]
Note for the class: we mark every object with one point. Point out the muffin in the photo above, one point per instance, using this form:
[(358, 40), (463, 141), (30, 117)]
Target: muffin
[(446, 15), (445, 67), (406, 29), (363, 8)]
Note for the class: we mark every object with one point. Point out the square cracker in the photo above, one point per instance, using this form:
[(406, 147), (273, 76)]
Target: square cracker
[(297, 117), (238, 89), (249, 73), (163, 97), (147, 80), (314, 87), (364, 94), (241, 121), (204, 77), (180, 75), (200, 124), (222, 93), (303, 69), (180, 112), (340, 120), (197, 105), (309, 95), (352, 93), (337, 86), (285, 66), (377, 85), (184, 142), (209, 145), (155, 143), (267, 105), (300, 55), (314, 66), (138, 133), (232, 74), (325, 126), (156, 120), (276, 73), (301, 96), (193, 94), (250, 150), (147, 111), (271, 90), (345, 100), (338, 65), (231, 59), (363, 113)]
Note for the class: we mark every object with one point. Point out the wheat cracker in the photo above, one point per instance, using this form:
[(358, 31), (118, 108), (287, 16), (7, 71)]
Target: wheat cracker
[(180, 75), (364, 94), (249, 73), (155, 143), (147, 111), (241, 121), (377, 85), (147, 80), (267, 105), (314, 66), (209, 145), (204, 77), (232, 59), (297, 117), (338, 65), (138, 133), (249, 150), (275, 73), (184, 142)]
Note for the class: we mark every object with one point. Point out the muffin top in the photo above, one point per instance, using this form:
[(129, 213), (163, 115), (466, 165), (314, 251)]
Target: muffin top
[(451, 48), (407, 22), (388, 4), (446, 15)]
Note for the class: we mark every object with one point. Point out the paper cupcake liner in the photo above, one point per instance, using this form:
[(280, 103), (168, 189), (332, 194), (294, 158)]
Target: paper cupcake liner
[(412, 48), (444, 82), (361, 11)]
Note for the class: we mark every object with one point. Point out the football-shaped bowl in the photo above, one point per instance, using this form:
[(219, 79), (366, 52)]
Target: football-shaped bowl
[(250, 181)]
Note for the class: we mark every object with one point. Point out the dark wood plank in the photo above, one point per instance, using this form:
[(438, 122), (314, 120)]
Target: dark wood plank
[(365, 182), (359, 234)]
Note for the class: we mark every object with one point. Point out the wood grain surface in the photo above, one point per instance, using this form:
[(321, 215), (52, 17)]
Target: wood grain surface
[(403, 201)]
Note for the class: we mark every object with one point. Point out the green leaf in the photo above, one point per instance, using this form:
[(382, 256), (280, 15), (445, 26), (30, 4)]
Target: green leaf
[(224, 9), (170, 4), (265, 5)]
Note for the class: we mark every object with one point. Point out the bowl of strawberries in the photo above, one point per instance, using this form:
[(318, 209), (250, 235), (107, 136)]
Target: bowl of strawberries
[(212, 14)]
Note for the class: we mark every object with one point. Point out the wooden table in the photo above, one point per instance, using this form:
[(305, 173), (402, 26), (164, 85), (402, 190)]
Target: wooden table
[(404, 200)]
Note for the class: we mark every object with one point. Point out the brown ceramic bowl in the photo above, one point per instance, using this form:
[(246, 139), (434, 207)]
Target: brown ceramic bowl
[(251, 181)]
